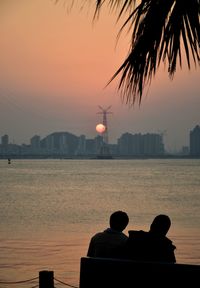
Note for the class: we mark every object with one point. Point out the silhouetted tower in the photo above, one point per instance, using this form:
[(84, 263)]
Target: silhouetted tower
[(105, 122), (104, 150)]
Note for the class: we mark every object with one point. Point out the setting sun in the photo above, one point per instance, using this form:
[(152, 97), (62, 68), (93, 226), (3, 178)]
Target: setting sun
[(100, 128)]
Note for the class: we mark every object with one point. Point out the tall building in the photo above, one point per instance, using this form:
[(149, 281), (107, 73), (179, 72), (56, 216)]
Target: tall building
[(195, 141), (90, 147), (137, 144), (125, 144), (35, 142), (5, 140), (60, 143), (153, 144)]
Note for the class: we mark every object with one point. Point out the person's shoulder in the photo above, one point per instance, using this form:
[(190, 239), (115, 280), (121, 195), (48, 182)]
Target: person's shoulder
[(97, 235), (124, 236), (169, 242), (137, 234)]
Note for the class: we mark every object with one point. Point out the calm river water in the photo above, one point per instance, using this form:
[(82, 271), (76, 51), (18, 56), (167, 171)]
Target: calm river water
[(49, 209)]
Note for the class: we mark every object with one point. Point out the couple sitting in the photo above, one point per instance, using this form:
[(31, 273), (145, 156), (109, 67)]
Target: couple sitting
[(140, 245)]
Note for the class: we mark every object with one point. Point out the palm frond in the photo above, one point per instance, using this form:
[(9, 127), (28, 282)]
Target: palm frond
[(158, 28), (161, 30)]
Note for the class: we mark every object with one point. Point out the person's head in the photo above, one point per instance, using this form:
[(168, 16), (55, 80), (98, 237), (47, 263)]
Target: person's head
[(119, 220), (160, 224)]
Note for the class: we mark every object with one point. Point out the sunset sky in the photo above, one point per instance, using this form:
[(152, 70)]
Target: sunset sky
[(54, 65)]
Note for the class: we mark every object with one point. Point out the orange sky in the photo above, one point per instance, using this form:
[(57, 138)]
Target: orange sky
[(54, 65)]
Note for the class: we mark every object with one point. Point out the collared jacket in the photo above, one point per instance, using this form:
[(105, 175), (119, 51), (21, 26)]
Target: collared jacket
[(148, 246), (107, 244)]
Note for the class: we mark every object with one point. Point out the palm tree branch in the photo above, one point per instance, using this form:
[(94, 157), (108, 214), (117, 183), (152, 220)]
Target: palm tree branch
[(160, 31), (177, 27)]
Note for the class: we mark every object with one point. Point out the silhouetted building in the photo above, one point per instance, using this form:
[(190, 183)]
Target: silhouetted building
[(60, 143), (153, 144), (195, 141), (81, 149), (5, 140), (99, 142), (35, 143), (140, 145), (90, 146), (185, 150), (125, 144)]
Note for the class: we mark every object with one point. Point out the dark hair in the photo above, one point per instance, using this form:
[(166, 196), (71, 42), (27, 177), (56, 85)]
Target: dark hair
[(161, 224), (119, 220)]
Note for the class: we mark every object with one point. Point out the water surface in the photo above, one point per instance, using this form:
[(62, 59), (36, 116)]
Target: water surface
[(49, 209)]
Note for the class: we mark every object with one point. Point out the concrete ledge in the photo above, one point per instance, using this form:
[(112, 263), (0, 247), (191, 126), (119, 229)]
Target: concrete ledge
[(106, 273)]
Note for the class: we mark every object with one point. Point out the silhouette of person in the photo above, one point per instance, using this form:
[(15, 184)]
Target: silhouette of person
[(152, 245), (110, 242)]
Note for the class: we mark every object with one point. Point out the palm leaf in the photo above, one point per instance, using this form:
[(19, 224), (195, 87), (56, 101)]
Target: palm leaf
[(161, 30)]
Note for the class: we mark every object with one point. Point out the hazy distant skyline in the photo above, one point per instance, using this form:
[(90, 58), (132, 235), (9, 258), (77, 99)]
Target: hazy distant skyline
[(27, 141), (54, 66)]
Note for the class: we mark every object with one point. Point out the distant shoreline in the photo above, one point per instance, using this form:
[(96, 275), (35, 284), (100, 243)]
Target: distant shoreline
[(94, 157)]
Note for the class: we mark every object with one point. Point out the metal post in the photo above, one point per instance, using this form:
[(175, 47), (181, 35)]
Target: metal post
[(46, 279)]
